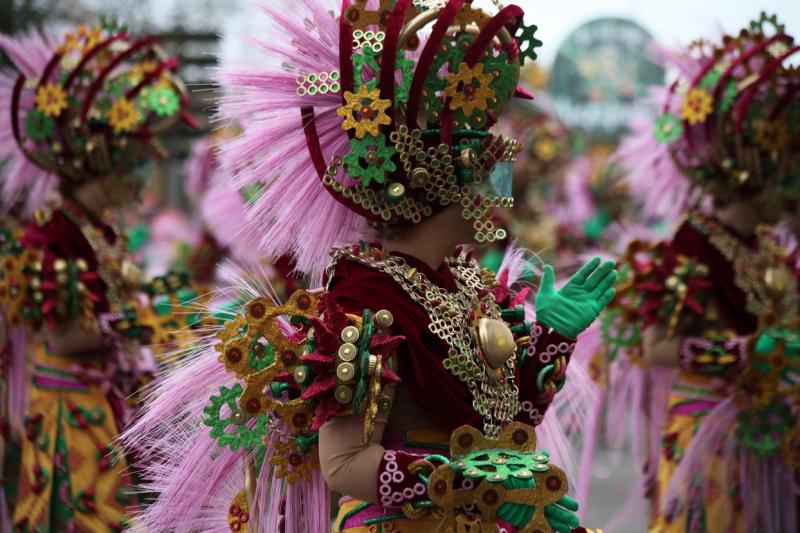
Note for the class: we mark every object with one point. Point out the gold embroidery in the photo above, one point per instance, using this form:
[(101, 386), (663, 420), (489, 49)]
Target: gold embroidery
[(454, 318), (763, 275)]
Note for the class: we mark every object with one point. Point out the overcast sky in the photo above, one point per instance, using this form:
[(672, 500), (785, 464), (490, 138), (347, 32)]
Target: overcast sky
[(671, 21)]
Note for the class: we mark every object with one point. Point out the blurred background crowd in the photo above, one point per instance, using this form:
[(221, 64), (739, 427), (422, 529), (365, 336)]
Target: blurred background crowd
[(591, 82)]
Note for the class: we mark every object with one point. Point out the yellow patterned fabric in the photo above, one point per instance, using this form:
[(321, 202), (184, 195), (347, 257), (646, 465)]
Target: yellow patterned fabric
[(400, 525), (71, 477), (710, 505)]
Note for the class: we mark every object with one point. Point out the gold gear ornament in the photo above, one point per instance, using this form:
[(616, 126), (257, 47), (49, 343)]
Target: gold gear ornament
[(364, 112), (697, 106), (469, 90)]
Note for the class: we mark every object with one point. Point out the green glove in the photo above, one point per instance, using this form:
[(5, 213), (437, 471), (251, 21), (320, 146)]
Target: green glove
[(561, 515), (575, 306)]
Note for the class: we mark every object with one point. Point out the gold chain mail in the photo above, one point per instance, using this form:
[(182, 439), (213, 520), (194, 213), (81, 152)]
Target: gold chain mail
[(453, 318)]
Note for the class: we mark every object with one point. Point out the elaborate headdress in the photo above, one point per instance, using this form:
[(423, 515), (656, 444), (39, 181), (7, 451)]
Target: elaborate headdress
[(728, 125), (88, 107), (380, 118)]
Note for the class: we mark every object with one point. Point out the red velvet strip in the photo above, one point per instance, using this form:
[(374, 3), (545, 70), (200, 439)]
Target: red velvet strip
[(169, 64), (489, 32), (709, 125), (318, 159), (15, 110), (753, 89), (523, 93), (187, 117), (48, 70), (312, 140), (672, 92), (346, 52), (474, 54), (389, 56), (446, 121), (709, 130), (98, 83), (446, 17), (787, 98), (88, 57)]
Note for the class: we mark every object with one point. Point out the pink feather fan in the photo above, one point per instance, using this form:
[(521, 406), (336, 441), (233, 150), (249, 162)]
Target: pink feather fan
[(653, 177), (295, 214), (21, 179)]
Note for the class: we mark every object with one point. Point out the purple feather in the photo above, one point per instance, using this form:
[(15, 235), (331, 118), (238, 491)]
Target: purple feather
[(295, 214), (199, 168), (22, 180)]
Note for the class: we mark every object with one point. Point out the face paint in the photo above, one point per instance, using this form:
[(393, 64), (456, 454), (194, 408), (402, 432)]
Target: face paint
[(493, 192), (502, 178)]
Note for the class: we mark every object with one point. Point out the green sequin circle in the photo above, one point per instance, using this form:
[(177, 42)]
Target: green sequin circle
[(226, 429)]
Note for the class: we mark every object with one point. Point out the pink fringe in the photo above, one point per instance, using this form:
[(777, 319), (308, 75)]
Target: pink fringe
[(579, 205), (19, 376), (223, 210), (174, 447), (199, 168), (295, 215), (568, 420), (651, 174), (22, 180), (585, 470), (654, 180), (769, 489)]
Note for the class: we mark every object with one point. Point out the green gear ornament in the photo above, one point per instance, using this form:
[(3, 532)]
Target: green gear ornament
[(498, 466), (366, 59), (767, 344), (260, 358), (452, 55), (528, 43), (370, 159), (233, 430), (164, 101), (710, 81), (728, 96), (505, 82), (763, 431), (669, 128), (119, 86), (38, 126), (406, 68)]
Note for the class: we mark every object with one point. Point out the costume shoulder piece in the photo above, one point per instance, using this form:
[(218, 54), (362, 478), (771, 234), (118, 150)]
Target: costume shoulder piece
[(480, 348), (658, 285), (297, 366), (171, 314), (51, 272), (20, 268)]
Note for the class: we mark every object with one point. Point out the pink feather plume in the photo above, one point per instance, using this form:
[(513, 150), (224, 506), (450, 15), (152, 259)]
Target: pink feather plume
[(295, 214), (22, 181)]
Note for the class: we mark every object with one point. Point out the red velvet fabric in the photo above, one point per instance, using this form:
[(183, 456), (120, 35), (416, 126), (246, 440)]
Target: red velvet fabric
[(61, 238), (693, 243), (441, 395)]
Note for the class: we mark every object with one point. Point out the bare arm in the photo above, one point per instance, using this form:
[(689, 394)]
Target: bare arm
[(69, 338), (659, 349), (349, 466)]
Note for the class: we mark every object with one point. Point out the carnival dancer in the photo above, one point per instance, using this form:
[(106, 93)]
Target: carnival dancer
[(714, 310), (80, 119), (412, 382)]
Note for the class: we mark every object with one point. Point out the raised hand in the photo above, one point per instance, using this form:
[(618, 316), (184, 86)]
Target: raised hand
[(577, 304), (561, 515)]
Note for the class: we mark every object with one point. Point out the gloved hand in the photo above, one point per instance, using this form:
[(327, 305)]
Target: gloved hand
[(561, 515), (575, 306)]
